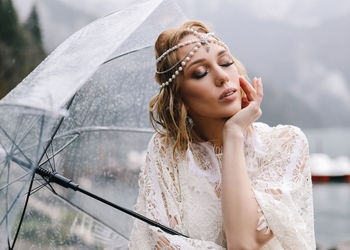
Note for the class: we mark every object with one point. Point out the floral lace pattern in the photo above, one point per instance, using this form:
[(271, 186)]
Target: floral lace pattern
[(184, 192)]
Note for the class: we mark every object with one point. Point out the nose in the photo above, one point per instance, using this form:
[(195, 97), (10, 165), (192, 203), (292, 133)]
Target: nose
[(221, 76)]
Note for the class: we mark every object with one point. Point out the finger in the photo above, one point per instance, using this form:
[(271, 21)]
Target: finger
[(259, 90), (254, 83), (245, 102), (248, 88)]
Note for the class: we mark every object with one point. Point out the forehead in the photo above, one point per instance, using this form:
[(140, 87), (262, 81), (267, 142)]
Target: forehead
[(201, 52)]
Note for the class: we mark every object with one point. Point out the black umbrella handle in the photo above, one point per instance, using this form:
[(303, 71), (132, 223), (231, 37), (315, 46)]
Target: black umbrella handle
[(67, 183)]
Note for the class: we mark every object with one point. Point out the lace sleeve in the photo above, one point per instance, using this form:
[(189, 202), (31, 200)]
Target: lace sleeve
[(160, 199), (284, 188)]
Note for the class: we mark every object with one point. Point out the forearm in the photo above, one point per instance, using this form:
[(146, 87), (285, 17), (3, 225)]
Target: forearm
[(238, 201)]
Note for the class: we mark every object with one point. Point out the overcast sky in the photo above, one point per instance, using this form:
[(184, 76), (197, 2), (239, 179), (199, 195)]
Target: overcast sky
[(300, 47)]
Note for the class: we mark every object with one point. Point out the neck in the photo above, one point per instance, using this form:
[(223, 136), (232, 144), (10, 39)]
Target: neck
[(210, 129)]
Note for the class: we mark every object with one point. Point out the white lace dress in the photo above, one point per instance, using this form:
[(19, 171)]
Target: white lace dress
[(185, 193)]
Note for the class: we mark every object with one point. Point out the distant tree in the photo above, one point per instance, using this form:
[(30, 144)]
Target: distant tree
[(20, 46), (9, 30), (32, 25)]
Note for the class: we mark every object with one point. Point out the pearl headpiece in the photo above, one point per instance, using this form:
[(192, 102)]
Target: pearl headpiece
[(204, 39)]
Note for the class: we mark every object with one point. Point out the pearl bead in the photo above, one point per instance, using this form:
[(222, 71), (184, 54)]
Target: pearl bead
[(187, 59), (170, 80), (180, 68), (173, 76), (191, 53), (176, 72), (183, 63)]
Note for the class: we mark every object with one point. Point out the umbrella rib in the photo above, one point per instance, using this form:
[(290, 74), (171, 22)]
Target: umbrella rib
[(22, 164), (47, 140), (105, 128), (36, 189), (11, 182), (7, 202), (56, 130), (15, 144), (53, 165), (3, 169), (24, 210), (126, 53), (40, 141), (92, 216), (59, 151), (27, 132), (48, 160), (96, 129), (17, 131), (12, 204), (67, 183)]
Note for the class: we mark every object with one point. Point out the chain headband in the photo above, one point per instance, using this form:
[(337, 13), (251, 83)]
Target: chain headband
[(203, 39)]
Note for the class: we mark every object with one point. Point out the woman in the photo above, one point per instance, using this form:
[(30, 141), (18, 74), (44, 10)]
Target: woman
[(211, 173)]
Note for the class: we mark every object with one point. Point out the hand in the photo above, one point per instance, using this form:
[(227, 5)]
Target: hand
[(250, 111)]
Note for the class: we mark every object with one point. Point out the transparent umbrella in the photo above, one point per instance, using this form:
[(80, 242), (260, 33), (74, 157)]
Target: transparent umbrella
[(82, 113)]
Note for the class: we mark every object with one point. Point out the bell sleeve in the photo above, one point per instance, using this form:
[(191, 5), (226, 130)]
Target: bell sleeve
[(284, 188), (160, 199)]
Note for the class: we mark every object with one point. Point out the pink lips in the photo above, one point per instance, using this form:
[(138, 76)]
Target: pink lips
[(227, 93)]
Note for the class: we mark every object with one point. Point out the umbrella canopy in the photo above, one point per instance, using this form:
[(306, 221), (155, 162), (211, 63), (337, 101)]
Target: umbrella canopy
[(83, 112)]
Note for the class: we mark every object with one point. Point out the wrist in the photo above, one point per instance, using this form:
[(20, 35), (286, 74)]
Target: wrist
[(232, 134)]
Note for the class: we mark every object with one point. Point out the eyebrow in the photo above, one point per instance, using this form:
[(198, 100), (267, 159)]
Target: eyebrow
[(202, 59)]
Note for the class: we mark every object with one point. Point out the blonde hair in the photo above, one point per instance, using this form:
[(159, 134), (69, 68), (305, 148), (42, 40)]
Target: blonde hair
[(166, 109)]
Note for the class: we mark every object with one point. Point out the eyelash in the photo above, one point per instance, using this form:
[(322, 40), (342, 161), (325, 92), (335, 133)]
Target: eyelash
[(206, 72)]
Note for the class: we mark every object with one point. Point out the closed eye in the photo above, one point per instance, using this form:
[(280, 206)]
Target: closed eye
[(198, 76), (227, 64)]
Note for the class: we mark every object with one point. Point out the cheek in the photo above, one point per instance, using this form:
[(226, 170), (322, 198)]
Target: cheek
[(197, 99), (196, 92)]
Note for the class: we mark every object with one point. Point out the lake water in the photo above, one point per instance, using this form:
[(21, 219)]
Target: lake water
[(332, 213), (331, 200)]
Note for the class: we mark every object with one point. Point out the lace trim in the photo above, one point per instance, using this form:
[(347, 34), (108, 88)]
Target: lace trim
[(277, 167)]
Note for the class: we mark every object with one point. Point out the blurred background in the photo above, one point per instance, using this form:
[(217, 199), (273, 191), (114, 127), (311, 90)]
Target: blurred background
[(299, 48)]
